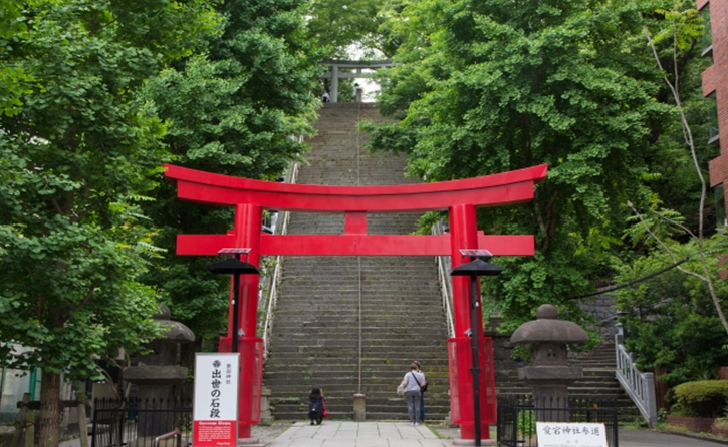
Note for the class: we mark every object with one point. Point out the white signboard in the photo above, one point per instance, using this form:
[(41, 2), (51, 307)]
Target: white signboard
[(215, 409), (562, 434)]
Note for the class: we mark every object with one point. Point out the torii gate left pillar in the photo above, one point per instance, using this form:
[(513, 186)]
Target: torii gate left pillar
[(246, 234), (460, 197)]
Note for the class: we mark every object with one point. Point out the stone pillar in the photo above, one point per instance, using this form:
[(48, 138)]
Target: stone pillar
[(266, 418), (334, 93), (360, 408), (548, 373)]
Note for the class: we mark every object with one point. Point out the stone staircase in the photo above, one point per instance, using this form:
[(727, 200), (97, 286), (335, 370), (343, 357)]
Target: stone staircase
[(354, 324), (598, 382)]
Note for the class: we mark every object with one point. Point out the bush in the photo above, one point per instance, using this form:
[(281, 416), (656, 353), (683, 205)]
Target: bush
[(706, 398)]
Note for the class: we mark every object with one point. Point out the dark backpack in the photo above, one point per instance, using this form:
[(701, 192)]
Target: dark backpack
[(314, 404)]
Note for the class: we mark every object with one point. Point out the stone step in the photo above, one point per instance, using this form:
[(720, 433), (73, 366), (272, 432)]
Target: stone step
[(323, 300)]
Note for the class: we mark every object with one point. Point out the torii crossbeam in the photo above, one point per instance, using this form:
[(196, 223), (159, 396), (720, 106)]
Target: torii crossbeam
[(459, 197)]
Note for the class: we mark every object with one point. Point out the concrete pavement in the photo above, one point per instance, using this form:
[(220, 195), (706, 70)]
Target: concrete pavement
[(401, 434), (649, 438), (355, 434)]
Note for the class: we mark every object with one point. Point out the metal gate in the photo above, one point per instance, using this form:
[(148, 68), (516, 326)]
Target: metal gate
[(517, 415), (119, 422)]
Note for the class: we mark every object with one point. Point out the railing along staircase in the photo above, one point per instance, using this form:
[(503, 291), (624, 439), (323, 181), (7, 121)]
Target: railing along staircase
[(638, 385)]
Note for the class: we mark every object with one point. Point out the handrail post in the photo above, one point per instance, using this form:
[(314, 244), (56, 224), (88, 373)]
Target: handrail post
[(650, 399), (619, 337), (177, 433)]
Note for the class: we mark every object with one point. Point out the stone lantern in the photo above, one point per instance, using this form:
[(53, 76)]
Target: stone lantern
[(157, 373), (548, 373)]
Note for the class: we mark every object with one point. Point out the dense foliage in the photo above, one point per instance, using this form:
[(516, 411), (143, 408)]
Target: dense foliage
[(488, 87), (338, 25), (497, 85), (232, 108), (75, 161), (670, 321), (77, 153)]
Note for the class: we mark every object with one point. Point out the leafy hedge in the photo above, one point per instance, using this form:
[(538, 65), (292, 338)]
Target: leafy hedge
[(707, 398)]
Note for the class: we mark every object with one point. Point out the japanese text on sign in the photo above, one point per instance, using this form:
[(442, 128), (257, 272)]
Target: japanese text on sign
[(562, 434), (216, 400)]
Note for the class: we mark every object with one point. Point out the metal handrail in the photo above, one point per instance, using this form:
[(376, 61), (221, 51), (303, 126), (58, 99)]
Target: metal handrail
[(177, 433), (639, 386), (272, 281), (443, 268)]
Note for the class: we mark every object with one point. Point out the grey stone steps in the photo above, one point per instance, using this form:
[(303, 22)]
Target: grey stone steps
[(369, 282), (315, 338), (370, 334), (322, 315), (387, 407), (598, 380), (345, 387), (368, 347), (370, 323), (370, 374), (373, 403), (370, 416)]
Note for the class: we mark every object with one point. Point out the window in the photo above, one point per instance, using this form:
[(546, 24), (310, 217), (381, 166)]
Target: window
[(713, 129), (720, 214), (707, 41)]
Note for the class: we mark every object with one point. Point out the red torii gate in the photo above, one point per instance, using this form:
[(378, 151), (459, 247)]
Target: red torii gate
[(460, 197)]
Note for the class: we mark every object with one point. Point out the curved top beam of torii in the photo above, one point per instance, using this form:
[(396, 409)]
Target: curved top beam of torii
[(489, 190), (355, 202)]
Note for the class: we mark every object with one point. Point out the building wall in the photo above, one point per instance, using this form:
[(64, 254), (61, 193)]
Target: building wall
[(14, 384), (715, 81)]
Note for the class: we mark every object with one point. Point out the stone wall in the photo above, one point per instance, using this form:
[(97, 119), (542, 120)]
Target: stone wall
[(602, 308)]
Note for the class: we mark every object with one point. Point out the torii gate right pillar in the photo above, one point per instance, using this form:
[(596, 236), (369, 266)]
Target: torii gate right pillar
[(464, 235)]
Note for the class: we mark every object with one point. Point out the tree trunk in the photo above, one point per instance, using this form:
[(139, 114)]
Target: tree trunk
[(50, 410)]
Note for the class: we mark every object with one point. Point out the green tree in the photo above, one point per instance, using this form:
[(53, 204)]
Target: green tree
[(234, 108), (76, 161), (486, 87), (670, 320), (338, 24), (12, 79)]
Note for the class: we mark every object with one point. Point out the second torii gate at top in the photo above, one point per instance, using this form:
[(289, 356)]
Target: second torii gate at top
[(460, 197)]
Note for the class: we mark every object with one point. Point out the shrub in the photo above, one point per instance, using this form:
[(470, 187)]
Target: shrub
[(706, 398)]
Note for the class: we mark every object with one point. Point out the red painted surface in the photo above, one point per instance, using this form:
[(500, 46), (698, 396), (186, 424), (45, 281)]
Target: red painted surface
[(464, 234), (355, 222), (353, 245), (460, 351), (217, 189), (247, 235), (460, 197), (214, 434)]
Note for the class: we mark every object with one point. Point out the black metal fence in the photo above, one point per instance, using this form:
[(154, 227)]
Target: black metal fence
[(517, 416), (119, 422)]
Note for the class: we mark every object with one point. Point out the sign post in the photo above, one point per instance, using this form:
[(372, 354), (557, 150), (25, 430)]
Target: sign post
[(558, 434), (216, 400)]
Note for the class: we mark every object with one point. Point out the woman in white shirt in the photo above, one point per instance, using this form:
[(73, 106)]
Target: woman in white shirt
[(413, 381)]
